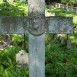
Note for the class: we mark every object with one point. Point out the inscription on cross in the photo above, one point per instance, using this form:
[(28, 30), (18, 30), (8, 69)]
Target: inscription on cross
[(36, 25)]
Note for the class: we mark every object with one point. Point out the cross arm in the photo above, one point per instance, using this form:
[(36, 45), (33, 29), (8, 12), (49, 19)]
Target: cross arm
[(16, 25), (13, 24), (58, 24)]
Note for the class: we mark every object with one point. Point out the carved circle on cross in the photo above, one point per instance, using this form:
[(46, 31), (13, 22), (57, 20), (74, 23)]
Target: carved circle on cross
[(36, 25)]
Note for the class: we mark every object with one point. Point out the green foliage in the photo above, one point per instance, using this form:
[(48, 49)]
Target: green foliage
[(60, 62), (8, 64), (16, 38), (14, 9), (20, 40), (70, 2)]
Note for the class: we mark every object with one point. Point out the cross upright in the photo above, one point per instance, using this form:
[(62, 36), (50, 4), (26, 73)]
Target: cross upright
[(36, 25)]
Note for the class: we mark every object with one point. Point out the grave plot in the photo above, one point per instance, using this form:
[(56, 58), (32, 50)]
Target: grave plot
[(36, 25)]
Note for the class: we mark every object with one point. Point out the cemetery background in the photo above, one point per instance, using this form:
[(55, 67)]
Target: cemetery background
[(60, 61)]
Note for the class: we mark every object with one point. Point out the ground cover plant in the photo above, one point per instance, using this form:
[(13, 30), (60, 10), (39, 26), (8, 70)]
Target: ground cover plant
[(60, 61)]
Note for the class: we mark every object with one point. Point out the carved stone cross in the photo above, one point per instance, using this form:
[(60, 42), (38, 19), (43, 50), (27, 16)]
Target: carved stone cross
[(36, 25)]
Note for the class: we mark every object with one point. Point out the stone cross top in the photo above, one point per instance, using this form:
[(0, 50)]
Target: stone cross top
[(36, 25)]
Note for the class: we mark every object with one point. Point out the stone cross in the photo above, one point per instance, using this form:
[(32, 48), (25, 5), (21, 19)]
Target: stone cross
[(36, 25)]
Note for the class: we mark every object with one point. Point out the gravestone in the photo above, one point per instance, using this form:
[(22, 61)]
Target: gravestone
[(68, 44), (36, 25), (76, 9), (70, 8), (10, 1), (23, 0)]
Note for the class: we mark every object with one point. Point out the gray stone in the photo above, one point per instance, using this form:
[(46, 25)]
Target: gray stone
[(60, 25), (12, 25), (23, 0), (68, 44), (37, 56), (35, 25)]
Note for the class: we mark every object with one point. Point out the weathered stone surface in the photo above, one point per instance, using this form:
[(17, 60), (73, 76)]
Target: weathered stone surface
[(37, 16), (11, 25), (23, 0), (22, 58), (60, 24), (36, 25), (36, 7), (36, 56), (36, 10), (68, 44)]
